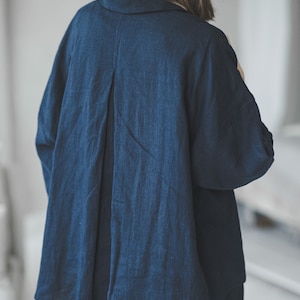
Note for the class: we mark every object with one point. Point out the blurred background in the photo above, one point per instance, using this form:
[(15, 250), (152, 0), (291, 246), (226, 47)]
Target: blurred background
[(266, 37)]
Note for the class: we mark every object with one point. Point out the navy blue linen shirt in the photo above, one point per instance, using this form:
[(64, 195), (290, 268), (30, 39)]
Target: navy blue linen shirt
[(144, 130)]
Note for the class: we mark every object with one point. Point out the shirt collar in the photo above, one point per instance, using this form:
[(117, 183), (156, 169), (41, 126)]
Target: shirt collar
[(138, 6)]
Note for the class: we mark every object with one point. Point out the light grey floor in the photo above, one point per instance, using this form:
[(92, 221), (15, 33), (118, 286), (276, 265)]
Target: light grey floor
[(256, 289), (273, 263)]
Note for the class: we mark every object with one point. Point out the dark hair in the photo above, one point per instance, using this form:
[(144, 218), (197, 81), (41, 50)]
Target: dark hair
[(200, 8)]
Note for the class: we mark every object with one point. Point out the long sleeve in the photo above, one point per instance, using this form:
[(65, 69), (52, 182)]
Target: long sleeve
[(49, 113), (230, 146)]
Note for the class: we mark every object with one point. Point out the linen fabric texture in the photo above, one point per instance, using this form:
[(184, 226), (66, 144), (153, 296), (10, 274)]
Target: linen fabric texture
[(144, 130)]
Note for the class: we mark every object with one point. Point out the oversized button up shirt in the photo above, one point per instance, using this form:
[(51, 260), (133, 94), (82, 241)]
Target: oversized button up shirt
[(144, 130)]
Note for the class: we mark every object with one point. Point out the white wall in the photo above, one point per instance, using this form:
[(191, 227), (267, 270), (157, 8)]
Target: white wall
[(4, 139), (3, 77), (293, 93), (264, 37)]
